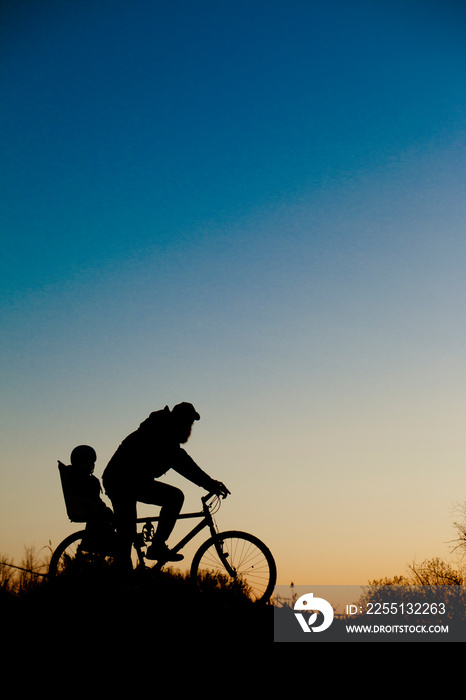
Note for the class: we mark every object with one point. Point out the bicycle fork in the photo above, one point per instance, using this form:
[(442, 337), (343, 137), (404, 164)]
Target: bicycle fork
[(223, 555)]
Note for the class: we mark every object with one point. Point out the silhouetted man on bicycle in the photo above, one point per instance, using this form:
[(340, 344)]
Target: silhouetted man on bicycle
[(131, 475)]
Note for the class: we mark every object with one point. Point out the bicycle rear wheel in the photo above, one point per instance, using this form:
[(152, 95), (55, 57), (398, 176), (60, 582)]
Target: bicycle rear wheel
[(72, 555), (238, 559)]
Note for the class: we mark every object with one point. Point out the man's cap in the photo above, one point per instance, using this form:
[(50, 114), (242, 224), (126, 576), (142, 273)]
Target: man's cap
[(186, 410)]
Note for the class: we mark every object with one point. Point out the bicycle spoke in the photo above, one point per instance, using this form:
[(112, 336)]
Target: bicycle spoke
[(248, 562)]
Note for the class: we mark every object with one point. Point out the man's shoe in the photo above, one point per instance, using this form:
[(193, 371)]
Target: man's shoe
[(162, 553)]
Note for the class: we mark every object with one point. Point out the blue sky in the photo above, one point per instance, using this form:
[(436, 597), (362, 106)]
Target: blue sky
[(257, 207)]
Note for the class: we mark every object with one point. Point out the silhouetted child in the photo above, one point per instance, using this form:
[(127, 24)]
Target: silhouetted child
[(82, 496)]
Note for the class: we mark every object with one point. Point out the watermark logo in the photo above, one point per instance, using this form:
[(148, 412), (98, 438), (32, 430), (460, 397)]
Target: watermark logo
[(315, 605)]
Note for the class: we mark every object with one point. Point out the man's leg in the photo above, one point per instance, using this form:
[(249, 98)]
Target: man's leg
[(171, 500), (125, 513)]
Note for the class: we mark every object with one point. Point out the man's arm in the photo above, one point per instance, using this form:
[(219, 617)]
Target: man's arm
[(188, 468)]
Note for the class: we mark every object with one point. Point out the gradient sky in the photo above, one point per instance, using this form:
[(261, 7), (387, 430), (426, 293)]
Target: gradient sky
[(257, 207)]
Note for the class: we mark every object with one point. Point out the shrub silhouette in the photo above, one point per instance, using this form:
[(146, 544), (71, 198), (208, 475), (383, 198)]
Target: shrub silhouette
[(94, 600)]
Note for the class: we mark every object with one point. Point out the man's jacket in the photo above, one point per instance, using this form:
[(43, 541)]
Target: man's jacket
[(148, 453)]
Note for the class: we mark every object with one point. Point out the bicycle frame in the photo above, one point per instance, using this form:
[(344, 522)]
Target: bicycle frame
[(240, 556), (206, 521)]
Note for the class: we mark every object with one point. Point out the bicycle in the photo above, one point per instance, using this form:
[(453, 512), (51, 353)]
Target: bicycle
[(235, 557)]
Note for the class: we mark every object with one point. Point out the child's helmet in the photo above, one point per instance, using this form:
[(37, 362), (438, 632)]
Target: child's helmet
[(83, 454)]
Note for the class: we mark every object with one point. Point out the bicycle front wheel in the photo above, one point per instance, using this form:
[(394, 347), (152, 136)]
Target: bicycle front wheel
[(238, 559)]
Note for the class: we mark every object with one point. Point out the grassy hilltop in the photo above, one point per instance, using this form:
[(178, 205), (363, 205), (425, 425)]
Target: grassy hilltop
[(111, 606)]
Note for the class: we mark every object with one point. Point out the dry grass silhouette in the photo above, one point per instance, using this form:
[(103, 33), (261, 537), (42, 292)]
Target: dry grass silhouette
[(98, 601)]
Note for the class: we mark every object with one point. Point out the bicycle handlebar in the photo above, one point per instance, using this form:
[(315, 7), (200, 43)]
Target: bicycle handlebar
[(210, 495), (206, 498)]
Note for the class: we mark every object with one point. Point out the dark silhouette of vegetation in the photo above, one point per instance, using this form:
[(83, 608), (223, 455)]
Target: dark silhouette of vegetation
[(166, 602), (434, 591), (460, 526), (431, 581), (16, 581), (99, 600), (431, 572)]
